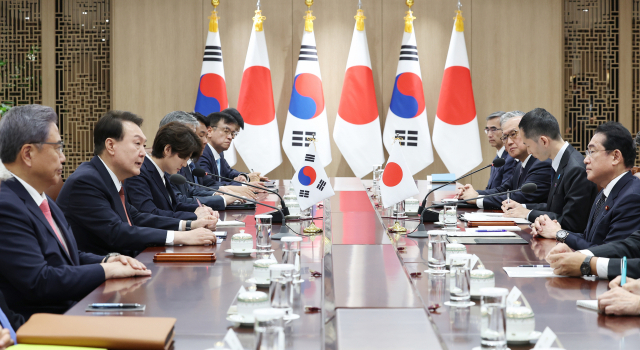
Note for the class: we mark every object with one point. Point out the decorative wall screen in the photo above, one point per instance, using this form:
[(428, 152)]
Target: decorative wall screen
[(635, 69), (20, 64), (83, 74), (591, 64)]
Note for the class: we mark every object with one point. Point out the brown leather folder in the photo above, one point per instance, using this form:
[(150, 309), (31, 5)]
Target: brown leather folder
[(184, 257), (111, 332), (490, 223)]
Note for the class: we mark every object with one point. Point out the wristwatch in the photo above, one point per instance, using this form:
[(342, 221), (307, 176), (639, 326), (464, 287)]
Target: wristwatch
[(585, 268), (562, 235), (106, 258), (188, 225)]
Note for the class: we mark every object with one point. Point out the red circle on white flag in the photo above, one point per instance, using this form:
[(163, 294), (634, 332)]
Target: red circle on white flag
[(392, 174), (456, 105)]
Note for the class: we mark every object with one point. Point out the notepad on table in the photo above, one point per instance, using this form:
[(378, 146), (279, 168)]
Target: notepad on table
[(530, 272), (485, 217), (228, 223), (588, 304)]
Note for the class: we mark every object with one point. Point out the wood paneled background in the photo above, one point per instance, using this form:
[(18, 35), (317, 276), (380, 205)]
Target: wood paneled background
[(515, 51)]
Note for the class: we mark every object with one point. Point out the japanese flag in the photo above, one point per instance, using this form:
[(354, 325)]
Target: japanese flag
[(311, 181), (397, 182)]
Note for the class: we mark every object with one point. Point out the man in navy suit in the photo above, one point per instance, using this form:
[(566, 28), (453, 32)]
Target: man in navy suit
[(42, 268), (96, 205), (614, 215), (572, 194), (151, 191), (501, 175), (528, 169)]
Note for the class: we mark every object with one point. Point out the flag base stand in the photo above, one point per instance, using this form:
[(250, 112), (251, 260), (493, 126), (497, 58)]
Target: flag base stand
[(398, 228), (311, 230), (421, 232), (284, 232)]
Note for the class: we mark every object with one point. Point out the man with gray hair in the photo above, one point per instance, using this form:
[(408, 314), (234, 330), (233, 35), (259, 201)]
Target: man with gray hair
[(528, 169), (42, 269), (493, 131)]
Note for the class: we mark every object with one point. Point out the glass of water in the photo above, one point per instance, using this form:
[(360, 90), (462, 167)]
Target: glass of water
[(263, 232), (461, 274), (398, 209), (438, 244), (450, 217), (291, 254), (280, 289), (493, 326), (268, 329)]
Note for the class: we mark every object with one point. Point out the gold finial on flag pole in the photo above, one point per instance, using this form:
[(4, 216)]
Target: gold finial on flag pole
[(213, 19), (360, 18), (308, 18), (408, 19), (459, 21), (258, 19)]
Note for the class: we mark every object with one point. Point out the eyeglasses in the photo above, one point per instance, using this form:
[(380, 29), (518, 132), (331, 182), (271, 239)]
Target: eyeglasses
[(59, 144), (513, 134), (228, 132), (589, 152), (492, 129)]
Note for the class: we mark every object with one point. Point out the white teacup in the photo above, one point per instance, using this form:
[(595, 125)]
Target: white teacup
[(251, 300), (481, 278), (241, 241), (521, 323), (261, 270)]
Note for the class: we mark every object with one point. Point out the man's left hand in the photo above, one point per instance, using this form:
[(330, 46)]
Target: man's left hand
[(127, 260), (619, 301), (566, 264), (469, 192)]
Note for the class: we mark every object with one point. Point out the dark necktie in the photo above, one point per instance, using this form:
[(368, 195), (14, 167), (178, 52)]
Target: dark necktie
[(192, 167), (597, 211), (121, 193), (167, 185)]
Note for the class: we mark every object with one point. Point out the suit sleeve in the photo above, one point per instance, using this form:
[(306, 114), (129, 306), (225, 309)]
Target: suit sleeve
[(629, 247), (15, 319), (139, 195), (614, 269), (89, 258), (508, 171), (27, 270), (540, 174), (92, 210), (577, 200), (624, 220)]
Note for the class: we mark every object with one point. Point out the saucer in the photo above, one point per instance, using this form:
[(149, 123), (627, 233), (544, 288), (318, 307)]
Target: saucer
[(246, 252), (264, 251), (533, 336), (297, 282), (459, 305), (291, 317), (479, 348), (240, 320), (259, 285)]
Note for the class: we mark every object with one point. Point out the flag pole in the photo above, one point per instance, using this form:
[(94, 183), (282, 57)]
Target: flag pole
[(397, 227)]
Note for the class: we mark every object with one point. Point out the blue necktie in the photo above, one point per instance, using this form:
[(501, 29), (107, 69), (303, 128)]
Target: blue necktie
[(4, 322), (192, 166), (218, 165)]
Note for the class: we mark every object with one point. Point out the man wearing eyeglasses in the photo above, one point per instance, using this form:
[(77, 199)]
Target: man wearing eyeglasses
[(502, 174), (528, 169), (614, 215), (572, 194)]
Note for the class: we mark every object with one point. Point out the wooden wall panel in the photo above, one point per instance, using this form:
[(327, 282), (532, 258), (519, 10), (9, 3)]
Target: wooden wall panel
[(158, 48)]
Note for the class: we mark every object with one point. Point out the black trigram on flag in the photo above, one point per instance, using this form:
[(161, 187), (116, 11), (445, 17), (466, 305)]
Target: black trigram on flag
[(299, 138), (304, 194), (321, 185), (308, 53), (212, 53), (408, 53), (310, 158), (410, 137)]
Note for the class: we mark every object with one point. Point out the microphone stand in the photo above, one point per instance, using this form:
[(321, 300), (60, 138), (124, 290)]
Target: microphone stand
[(284, 230), (421, 231), (276, 217)]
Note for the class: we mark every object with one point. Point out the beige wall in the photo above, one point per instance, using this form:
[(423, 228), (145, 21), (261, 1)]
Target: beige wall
[(515, 52)]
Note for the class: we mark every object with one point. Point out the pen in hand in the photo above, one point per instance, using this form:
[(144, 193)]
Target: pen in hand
[(199, 204)]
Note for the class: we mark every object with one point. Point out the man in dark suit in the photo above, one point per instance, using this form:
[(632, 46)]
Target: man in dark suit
[(571, 194), (501, 175), (151, 191), (42, 268), (614, 215), (223, 130), (528, 169), (96, 204)]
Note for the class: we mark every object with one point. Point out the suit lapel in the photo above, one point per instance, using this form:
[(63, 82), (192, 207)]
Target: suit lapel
[(516, 176), (19, 190), (153, 173), (610, 200), (587, 231), (111, 187), (558, 175)]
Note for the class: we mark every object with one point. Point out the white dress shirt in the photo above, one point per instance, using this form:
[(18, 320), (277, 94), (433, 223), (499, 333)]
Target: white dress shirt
[(118, 184), (500, 151), (602, 265)]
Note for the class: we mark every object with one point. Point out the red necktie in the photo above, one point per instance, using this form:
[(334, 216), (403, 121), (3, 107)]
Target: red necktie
[(125, 207), (47, 214)]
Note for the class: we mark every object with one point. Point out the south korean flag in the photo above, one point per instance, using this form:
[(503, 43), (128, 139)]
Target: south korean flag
[(311, 181)]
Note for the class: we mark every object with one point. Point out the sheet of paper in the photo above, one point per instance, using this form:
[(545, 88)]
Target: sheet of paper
[(473, 232), (588, 304), (530, 272), (508, 228), (223, 223), (485, 217)]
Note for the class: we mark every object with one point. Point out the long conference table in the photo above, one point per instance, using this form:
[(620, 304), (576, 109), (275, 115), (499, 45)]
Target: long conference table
[(368, 298)]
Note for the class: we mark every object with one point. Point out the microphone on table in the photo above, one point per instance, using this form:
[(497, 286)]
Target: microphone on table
[(284, 231), (421, 231), (497, 163), (275, 215)]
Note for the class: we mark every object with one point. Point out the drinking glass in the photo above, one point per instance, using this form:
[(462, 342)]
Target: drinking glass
[(450, 217), (438, 260), (461, 274), (263, 232), (291, 254), (268, 329), (493, 327), (398, 209), (280, 290)]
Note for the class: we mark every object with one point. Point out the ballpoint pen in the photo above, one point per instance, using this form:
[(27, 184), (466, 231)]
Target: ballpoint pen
[(491, 230), (623, 271), (199, 204), (534, 265), (115, 305)]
